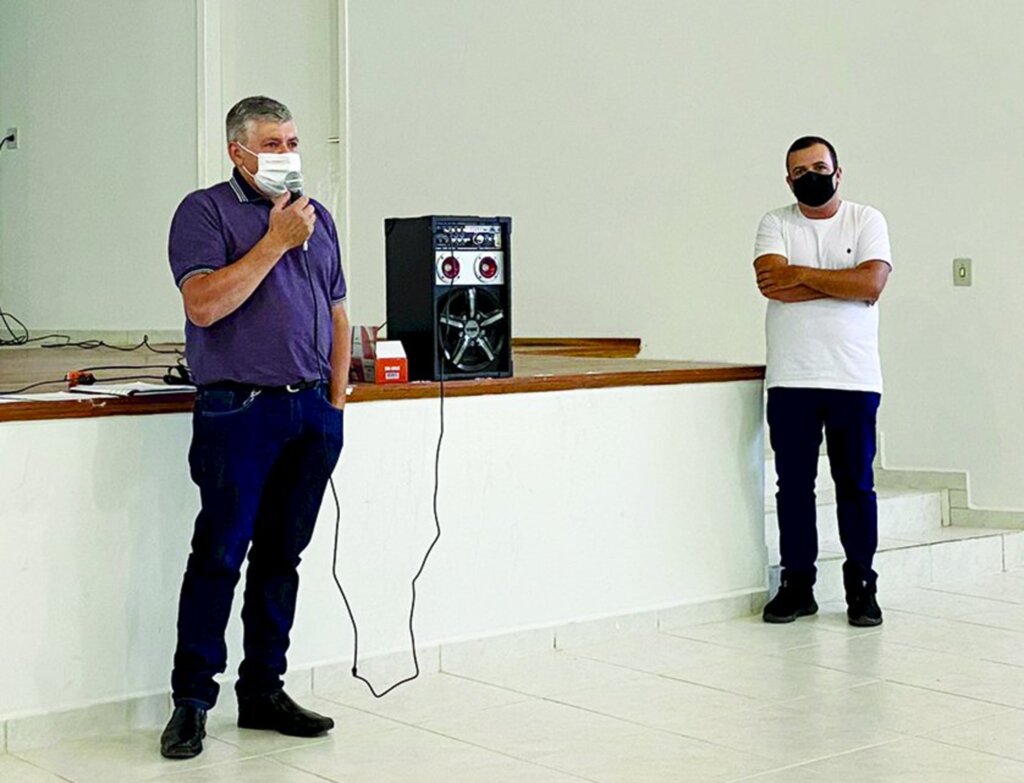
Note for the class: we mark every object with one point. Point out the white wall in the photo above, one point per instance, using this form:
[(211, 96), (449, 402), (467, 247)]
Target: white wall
[(94, 535), (637, 144), (104, 96), (290, 52)]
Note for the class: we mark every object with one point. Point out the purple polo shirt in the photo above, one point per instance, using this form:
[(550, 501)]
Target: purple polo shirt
[(268, 341)]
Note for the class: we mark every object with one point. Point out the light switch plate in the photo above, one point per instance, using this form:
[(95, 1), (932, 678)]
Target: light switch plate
[(962, 271)]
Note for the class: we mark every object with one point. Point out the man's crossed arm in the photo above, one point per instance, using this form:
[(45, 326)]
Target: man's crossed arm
[(783, 282)]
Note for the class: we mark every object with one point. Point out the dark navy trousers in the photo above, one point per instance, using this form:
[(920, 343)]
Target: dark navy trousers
[(796, 418), (261, 461)]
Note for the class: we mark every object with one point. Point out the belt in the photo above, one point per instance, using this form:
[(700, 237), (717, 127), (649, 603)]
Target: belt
[(291, 388)]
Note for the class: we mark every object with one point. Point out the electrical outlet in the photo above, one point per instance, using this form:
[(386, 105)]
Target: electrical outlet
[(13, 143), (962, 271)]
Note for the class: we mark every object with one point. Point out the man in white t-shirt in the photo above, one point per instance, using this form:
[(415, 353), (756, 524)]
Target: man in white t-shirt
[(822, 264)]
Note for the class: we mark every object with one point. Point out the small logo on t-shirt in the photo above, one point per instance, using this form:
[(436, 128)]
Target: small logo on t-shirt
[(849, 250)]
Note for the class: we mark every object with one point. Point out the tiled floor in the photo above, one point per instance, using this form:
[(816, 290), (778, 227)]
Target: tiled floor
[(936, 695)]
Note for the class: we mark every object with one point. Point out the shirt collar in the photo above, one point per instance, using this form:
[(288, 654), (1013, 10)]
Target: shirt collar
[(246, 193)]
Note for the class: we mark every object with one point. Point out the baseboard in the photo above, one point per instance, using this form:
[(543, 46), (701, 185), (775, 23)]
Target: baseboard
[(151, 710)]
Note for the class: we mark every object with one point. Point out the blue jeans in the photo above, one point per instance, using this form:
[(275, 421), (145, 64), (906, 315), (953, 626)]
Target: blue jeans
[(261, 462), (795, 421)]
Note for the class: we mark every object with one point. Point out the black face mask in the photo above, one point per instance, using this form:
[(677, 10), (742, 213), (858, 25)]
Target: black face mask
[(814, 189)]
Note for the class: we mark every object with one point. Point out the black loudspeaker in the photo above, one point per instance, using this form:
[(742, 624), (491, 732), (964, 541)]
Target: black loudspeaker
[(449, 295)]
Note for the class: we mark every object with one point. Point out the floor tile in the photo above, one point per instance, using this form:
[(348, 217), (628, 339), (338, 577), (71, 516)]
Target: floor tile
[(838, 722), (752, 633), (248, 771), (412, 754), (956, 637), (122, 758), (998, 587), (1009, 617), (14, 770), (787, 774), (876, 657), (935, 603), (541, 675), (796, 732), (745, 673), (653, 654), (919, 761), (1001, 735), (657, 757), (657, 702), (934, 695), (597, 747), (968, 556), (348, 722), (432, 696), (534, 729)]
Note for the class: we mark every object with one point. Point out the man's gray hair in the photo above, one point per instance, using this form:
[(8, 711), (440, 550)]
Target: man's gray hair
[(248, 111)]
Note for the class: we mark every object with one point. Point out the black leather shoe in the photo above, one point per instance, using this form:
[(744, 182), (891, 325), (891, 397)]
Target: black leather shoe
[(183, 737), (277, 712)]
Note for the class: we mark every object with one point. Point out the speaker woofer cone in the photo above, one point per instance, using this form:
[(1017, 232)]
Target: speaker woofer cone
[(471, 328)]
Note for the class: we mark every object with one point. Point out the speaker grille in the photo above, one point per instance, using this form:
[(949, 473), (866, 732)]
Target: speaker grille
[(471, 328)]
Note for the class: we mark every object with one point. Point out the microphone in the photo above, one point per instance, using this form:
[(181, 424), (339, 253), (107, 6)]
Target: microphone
[(293, 181)]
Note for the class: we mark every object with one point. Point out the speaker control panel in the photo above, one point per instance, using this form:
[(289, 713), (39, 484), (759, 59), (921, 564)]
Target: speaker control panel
[(465, 236)]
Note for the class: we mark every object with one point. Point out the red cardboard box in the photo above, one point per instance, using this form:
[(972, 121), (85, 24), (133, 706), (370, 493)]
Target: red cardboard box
[(377, 361), (392, 365)]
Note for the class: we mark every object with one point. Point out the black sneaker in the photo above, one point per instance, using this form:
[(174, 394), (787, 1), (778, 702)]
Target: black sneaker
[(792, 601), (862, 609)]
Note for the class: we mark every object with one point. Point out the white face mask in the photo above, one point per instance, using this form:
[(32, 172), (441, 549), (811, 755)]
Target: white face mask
[(271, 170)]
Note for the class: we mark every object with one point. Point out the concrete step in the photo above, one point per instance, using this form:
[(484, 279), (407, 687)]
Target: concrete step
[(931, 481), (902, 514), (948, 554)]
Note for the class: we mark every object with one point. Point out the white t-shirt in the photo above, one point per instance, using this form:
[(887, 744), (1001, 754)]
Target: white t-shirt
[(825, 343)]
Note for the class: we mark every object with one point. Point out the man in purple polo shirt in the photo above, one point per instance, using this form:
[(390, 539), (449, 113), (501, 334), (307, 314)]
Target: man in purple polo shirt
[(267, 338)]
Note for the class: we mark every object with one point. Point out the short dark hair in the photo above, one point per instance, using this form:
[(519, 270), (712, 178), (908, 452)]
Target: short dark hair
[(809, 141), (247, 111)]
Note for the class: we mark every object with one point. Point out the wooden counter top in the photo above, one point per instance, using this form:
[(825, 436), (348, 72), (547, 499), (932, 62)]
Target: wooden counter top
[(539, 367)]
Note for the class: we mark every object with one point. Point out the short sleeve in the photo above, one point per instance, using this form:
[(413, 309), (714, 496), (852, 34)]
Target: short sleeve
[(769, 237), (338, 286), (873, 238), (196, 244)]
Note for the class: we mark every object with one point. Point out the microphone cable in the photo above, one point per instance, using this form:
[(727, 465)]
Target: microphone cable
[(337, 508)]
